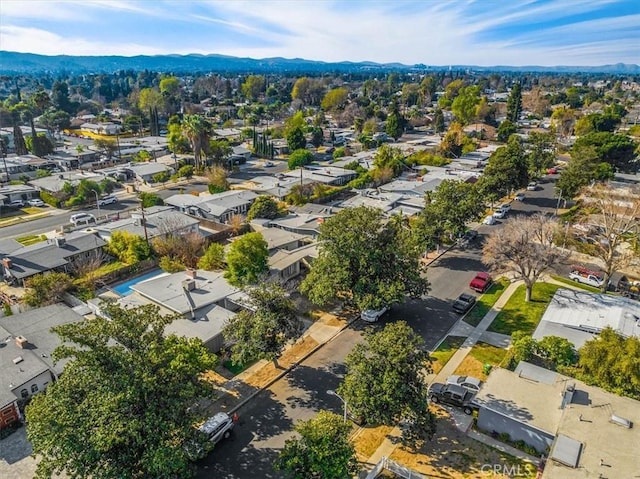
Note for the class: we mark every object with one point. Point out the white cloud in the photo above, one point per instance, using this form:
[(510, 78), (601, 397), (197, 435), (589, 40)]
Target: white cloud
[(33, 40)]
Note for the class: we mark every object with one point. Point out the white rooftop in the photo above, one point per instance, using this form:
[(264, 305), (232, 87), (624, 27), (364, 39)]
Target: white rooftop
[(580, 315)]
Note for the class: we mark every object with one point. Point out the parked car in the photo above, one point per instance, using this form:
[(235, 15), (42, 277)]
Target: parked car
[(586, 276), (17, 204), (82, 219), (464, 303), (519, 197), (468, 382), (500, 213), (36, 202), (373, 315), (269, 164), (505, 206), (481, 282), (489, 220), (552, 171), (454, 395), (107, 200), (533, 186), (214, 429)]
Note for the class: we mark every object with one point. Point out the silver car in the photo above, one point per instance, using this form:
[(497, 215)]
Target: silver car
[(468, 382)]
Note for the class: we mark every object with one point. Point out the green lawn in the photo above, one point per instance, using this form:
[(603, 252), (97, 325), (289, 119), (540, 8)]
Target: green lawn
[(575, 284), (486, 302), (443, 353), (236, 368), (31, 239), (480, 354), (518, 315)]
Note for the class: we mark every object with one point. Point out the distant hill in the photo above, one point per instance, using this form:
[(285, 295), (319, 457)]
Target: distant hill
[(16, 63)]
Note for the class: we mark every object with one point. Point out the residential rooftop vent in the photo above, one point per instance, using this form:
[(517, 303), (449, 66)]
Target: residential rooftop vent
[(621, 421), (17, 360), (21, 342)]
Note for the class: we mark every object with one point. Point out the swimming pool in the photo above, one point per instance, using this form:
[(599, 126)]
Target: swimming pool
[(124, 289)]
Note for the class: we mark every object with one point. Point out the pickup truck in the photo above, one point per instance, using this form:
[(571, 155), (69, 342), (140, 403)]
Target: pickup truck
[(481, 282), (587, 277)]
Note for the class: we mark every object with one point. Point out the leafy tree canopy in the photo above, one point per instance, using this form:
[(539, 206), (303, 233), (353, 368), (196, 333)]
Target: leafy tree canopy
[(262, 331), (299, 157), (124, 406), (264, 206), (127, 247), (323, 450), (613, 148), (296, 140), (335, 99), (366, 259), (247, 259), (213, 258), (43, 289), (385, 380)]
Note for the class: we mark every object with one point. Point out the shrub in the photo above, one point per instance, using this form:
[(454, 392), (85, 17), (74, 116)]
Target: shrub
[(49, 199), (171, 265), (150, 199), (299, 158)]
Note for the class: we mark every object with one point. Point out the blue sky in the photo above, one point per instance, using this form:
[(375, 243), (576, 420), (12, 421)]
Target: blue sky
[(433, 32)]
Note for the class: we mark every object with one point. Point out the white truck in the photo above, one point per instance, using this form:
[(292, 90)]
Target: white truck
[(588, 277)]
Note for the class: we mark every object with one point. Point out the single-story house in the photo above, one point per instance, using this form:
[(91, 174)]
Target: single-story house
[(26, 366), (287, 264), (56, 182), (145, 171), (328, 175), (107, 128), (583, 430), (304, 224), (218, 207), (279, 239), (17, 192), (157, 221), (580, 316), (204, 299), (56, 254)]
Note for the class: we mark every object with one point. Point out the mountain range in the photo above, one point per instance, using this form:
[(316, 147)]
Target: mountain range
[(12, 63)]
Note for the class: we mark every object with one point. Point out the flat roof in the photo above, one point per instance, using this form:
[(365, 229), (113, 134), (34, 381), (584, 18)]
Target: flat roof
[(579, 316), (526, 400)]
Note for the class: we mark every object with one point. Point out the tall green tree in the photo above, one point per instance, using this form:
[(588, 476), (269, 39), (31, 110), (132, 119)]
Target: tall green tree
[(213, 258), (197, 130), (298, 158), (296, 139), (124, 406), (612, 362), (366, 260), (438, 121), (541, 152), (505, 130), (323, 450), (264, 206), (584, 167), (465, 104), (263, 330), (506, 170), (253, 86), (385, 381), (616, 149), (247, 260), (514, 103), (335, 99)]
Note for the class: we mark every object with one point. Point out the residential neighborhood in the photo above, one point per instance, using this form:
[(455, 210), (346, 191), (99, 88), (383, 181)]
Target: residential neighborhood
[(436, 271)]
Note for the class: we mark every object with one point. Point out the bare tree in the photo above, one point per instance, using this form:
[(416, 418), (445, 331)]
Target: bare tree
[(176, 244), (524, 247), (614, 213), (236, 223), (85, 266)]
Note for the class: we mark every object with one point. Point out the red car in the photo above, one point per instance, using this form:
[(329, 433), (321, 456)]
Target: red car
[(481, 282), (552, 171)]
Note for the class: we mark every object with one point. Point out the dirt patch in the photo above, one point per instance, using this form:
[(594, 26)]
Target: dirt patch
[(332, 320), (453, 455), (369, 439), (214, 378), (470, 366), (292, 355)]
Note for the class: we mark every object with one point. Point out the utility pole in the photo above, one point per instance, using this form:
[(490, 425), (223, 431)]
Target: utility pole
[(3, 152), (144, 223)]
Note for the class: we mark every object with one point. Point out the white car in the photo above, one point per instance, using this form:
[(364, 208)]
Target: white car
[(372, 315), (533, 186), (17, 204), (519, 197), (107, 200), (468, 382), (505, 206), (36, 202), (500, 213), (489, 220), (82, 219)]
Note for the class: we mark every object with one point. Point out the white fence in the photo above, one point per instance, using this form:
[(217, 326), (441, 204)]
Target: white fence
[(398, 469)]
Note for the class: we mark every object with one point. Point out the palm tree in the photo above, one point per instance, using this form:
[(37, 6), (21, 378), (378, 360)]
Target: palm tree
[(197, 130)]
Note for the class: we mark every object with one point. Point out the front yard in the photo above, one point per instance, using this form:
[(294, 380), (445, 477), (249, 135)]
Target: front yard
[(518, 315), (486, 302), (481, 354)]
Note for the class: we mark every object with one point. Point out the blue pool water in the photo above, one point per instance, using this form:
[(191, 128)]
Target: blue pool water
[(123, 289)]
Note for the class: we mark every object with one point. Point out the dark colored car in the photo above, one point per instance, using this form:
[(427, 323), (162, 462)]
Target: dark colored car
[(453, 395), (464, 303)]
